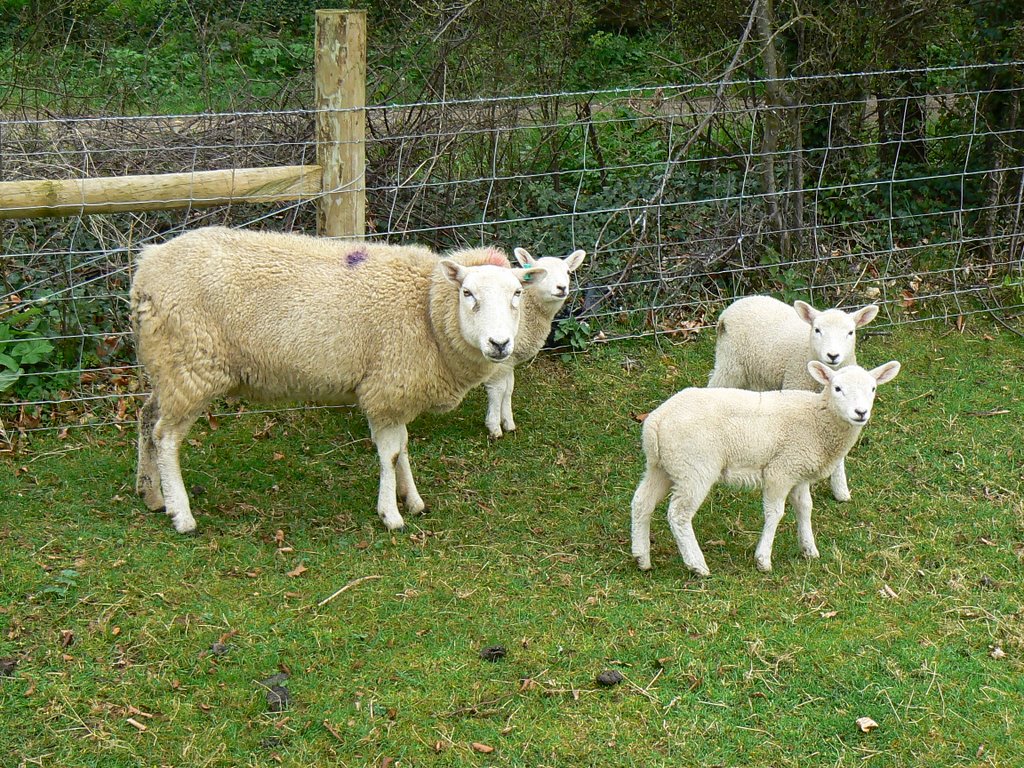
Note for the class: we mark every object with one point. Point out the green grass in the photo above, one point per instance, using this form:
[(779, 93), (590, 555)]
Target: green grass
[(527, 546)]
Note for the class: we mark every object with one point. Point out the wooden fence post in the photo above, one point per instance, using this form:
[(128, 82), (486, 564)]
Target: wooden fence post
[(341, 121)]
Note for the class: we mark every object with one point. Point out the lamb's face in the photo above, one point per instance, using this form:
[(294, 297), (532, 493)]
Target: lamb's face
[(851, 390), (489, 305), (834, 332), (553, 288)]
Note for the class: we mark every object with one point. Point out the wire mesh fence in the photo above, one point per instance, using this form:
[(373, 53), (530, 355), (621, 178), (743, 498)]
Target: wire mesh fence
[(900, 188)]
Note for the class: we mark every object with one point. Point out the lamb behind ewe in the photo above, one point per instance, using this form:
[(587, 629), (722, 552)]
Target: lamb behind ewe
[(277, 317), (541, 301), (764, 344), (781, 441)]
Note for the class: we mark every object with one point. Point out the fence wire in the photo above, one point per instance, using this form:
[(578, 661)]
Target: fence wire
[(899, 188)]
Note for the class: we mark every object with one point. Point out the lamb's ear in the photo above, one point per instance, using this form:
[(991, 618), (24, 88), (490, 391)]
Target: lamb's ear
[(523, 257), (574, 259), (805, 311), (531, 275), (864, 316), (820, 372), (453, 271), (886, 372)]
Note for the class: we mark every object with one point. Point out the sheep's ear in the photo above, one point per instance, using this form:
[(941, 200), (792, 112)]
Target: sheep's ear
[(887, 372), (805, 311), (864, 316), (574, 259), (453, 271), (523, 257), (820, 372), (531, 275)]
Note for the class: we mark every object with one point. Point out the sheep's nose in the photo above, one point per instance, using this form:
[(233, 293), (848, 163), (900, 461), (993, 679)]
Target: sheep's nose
[(833, 358), (499, 348), (862, 415), (561, 291)]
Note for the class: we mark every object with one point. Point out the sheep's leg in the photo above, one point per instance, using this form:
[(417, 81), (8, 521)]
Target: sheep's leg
[(495, 387), (168, 437), (653, 487), (507, 421), (681, 508), (406, 484), (389, 448), (147, 473), (800, 500), (774, 509), (840, 490)]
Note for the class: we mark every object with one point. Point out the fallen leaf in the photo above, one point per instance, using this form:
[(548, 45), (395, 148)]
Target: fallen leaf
[(484, 749), (997, 653), (278, 456), (279, 537), (887, 591), (67, 638), (298, 570), (866, 724), (829, 614)]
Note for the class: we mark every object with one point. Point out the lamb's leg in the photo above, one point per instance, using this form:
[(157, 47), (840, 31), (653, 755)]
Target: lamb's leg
[(168, 437), (147, 473), (406, 484), (774, 509), (685, 501), (652, 489), (507, 421), (495, 387), (800, 500), (840, 490), (389, 448)]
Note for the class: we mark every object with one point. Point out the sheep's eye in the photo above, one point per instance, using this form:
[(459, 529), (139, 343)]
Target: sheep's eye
[(817, 331), (467, 293), (519, 292), (839, 389), (872, 389), (850, 333)]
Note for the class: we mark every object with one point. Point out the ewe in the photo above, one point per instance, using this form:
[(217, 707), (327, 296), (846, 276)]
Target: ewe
[(781, 441), (287, 317), (764, 344), (541, 301)]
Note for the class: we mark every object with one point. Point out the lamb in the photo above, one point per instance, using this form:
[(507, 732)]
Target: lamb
[(541, 302), (270, 316), (764, 344), (781, 441)]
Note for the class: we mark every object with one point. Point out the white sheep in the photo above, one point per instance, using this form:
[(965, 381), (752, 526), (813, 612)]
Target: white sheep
[(542, 299), (276, 317), (765, 344), (781, 441)]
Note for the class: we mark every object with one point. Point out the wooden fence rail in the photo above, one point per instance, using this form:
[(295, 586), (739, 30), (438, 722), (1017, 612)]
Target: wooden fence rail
[(337, 181)]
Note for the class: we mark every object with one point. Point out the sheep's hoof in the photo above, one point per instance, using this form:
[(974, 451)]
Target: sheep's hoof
[(185, 526), (698, 571), (811, 553), (643, 563), (495, 434), (764, 566), (841, 495), (392, 523)]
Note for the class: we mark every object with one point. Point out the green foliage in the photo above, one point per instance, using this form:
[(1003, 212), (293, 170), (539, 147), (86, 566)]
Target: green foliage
[(23, 351), (573, 333)]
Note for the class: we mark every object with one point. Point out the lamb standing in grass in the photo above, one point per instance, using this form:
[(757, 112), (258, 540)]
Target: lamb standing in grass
[(287, 317), (781, 441), (764, 344), (541, 301)]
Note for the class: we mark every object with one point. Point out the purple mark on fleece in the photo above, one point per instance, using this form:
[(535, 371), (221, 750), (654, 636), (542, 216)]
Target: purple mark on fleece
[(355, 258)]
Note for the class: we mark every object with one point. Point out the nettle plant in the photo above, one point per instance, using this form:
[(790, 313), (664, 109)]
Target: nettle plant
[(23, 350)]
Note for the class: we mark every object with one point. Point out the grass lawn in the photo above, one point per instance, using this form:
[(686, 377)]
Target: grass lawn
[(132, 645)]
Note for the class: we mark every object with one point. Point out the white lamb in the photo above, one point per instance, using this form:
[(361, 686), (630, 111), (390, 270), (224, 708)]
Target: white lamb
[(286, 317), (781, 441), (542, 299), (764, 344)]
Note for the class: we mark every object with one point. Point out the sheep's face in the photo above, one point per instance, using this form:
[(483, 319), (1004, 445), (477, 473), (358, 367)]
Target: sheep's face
[(834, 332), (489, 305), (553, 288), (851, 390)]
